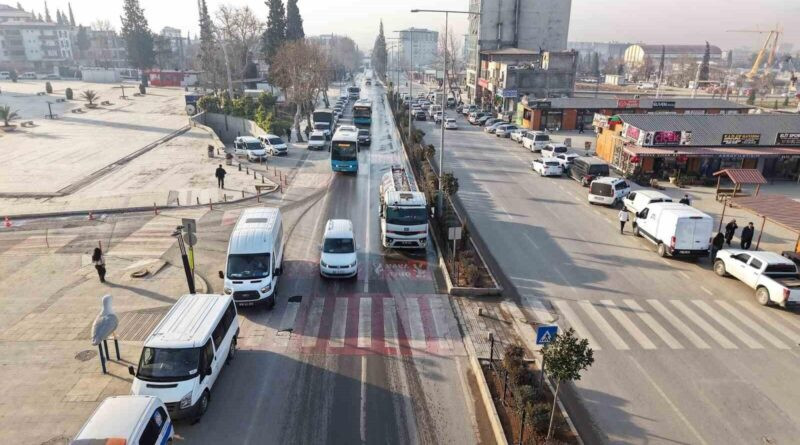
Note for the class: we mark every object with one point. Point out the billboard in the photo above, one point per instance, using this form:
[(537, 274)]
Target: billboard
[(787, 139), (627, 103), (740, 139)]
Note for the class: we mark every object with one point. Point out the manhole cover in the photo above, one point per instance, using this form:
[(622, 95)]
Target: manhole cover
[(295, 299), (87, 355)]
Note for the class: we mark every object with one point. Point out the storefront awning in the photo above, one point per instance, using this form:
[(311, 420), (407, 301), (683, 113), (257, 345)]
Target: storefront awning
[(775, 208), (743, 175), (719, 152)]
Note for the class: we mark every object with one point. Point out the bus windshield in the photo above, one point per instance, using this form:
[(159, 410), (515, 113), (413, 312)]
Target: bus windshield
[(362, 110), (343, 151)]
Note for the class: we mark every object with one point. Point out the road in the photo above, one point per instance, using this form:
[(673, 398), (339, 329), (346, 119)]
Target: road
[(682, 356), (378, 359)]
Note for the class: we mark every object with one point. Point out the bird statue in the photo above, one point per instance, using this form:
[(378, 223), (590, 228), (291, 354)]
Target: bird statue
[(106, 322)]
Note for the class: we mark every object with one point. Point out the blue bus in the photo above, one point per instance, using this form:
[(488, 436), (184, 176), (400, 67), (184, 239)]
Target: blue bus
[(362, 112), (344, 151)]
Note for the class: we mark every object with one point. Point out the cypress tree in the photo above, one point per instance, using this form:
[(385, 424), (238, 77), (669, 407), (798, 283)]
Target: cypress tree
[(71, 17), (138, 37), (379, 55), (704, 63), (275, 34), (661, 62), (47, 14), (294, 22), (206, 39)]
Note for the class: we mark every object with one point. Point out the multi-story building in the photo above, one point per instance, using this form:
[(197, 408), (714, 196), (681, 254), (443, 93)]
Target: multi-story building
[(538, 25), (106, 50), (423, 42), (171, 48), (604, 50), (30, 45)]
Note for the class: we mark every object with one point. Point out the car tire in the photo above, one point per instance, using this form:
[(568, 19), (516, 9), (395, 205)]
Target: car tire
[(719, 268), (202, 406), (662, 250), (762, 296), (231, 351)]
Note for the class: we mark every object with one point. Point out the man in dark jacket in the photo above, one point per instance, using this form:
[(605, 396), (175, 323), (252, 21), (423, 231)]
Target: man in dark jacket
[(685, 200), (747, 236), (716, 245), (220, 174), (289, 135), (730, 230)]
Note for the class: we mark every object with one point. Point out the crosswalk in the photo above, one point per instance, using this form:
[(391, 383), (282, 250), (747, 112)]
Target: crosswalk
[(154, 237), (651, 324)]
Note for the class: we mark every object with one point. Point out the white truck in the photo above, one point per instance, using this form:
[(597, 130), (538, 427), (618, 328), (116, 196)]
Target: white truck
[(403, 212), (774, 277), (676, 229)]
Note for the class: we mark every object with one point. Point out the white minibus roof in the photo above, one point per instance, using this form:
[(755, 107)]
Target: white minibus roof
[(189, 323)]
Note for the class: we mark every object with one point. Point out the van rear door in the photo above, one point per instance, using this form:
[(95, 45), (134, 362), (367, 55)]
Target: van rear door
[(692, 233)]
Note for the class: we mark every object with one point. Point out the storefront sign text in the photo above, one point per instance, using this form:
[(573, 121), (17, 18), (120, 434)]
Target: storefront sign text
[(740, 139), (663, 104), (483, 83), (788, 139), (600, 120), (663, 138), (632, 132), (539, 104), (627, 103), (506, 93)]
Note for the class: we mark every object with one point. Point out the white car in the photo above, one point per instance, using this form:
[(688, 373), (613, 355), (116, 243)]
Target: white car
[(28, 75), (504, 131), (547, 167), (636, 201), (338, 258), (5, 75), (450, 124), (274, 144), (608, 190), (317, 140), (437, 116), (535, 140), (249, 146), (566, 160), (551, 150), (516, 135), (774, 277)]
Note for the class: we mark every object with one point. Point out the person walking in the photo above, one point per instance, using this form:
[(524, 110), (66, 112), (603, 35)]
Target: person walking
[(716, 245), (99, 264), (730, 230), (686, 200), (220, 174), (747, 236), (580, 128), (308, 131), (289, 134), (623, 218)]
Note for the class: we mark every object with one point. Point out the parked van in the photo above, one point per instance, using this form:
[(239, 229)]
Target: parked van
[(586, 169), (255, 257), (274, 144), (636, 201), (249, 146), (338, 257), (677, 229), (535, 140), (5, 75), (127, 419), (185, 353), (608, 191)]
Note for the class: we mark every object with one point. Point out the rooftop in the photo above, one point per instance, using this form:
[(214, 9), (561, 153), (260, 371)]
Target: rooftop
[(646, 103), (510, 52), (679, 49)]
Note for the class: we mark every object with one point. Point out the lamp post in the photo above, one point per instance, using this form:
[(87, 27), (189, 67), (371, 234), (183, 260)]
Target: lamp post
[(410, 78), (446, 13)]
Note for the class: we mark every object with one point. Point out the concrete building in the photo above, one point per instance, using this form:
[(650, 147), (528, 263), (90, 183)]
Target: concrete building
[(539, 25), (604, 50), (27, 44), (425, 47), (171, 48), (106, 49), (639, 54)]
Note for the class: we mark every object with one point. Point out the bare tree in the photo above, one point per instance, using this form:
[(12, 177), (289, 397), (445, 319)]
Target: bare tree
[(102, 25), (239, 29), (450, 46)]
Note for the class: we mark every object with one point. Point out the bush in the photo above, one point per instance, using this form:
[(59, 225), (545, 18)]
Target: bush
[(513, 361), (539, 417), (449, 184), (90, 96), (48, 88), (209, 103), (68, 93)]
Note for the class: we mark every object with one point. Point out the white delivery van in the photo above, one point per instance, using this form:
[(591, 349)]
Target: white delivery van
[(338, 258), (249, 146), (185, 353), (274, 145), (608, 191), (677, 229), (127, 420), (638, 200), (255, 257)]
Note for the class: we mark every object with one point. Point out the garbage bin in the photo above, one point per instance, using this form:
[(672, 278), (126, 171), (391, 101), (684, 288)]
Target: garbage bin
[(210, 151), (228, 159)]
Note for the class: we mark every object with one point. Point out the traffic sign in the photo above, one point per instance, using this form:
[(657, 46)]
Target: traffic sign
[(189, 229), (546, 334)]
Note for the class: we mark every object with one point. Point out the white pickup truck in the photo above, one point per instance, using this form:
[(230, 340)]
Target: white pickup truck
[(774, 277)]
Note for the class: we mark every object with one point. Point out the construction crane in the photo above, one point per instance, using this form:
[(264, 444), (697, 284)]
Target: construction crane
[(770, 44)]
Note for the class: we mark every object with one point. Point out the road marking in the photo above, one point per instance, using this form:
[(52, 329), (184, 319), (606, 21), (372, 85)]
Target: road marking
[(665, 262), (679, 324), (365, 322), (416, 330), (760, 313), (735, 330), (654, 325), (539, 310), (439, 316), (752, 324), (706, 291), (339, 323), (669, 402), (626, 322), (684, 275), (531, 240), (289, 315), (601, 322), (363, 399), (367, 236), (311, 329), (576, 323), (713, 333)]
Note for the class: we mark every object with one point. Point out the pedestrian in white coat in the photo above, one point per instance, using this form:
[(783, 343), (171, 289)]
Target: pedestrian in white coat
[(623, 218)]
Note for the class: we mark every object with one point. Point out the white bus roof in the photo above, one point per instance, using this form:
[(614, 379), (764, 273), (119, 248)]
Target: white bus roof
[(254, 230), (189, 323), (345, 136), (116, 418), (405, 199)]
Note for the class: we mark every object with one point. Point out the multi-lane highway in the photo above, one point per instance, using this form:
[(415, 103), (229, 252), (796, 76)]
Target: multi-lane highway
[(682, 356)]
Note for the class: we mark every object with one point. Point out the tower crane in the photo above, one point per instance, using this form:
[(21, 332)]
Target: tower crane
[(770, 48)]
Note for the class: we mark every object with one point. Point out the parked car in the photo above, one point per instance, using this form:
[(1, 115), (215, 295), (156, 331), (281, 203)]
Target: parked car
[(5, 75), (676, 229), (450, 124), (364, 137), (547, 167), (28, 75), (586, 169), (636, 201), (127, 419), (52, 77), (481, 121), (469, 109), (608, 191), (516, 135), (535, 140), (249, 146), (492, 128), (317, 140), (491, 121), (504, 131), (775, 278), (566, 160), (553, 149), (275, 145), (476, 116)]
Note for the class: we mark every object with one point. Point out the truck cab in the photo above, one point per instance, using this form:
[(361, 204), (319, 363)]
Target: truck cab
[(403, 212)]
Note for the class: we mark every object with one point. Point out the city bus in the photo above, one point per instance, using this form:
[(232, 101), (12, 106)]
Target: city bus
[(344, 151), (362, 112), (354, 92)]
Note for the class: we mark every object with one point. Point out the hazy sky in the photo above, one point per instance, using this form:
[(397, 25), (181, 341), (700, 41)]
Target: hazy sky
[(649, 21)]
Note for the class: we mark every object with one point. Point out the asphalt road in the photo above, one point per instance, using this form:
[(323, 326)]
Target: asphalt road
[(377, 359), (682, 356)]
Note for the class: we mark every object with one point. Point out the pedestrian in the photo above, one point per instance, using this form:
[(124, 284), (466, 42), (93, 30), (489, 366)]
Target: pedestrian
[(730, 230), (289, 134), (308, 131), (623, 218), (220, 174), (716, 245), (747, 236), (686, 200), (580, 128), (99, 264)]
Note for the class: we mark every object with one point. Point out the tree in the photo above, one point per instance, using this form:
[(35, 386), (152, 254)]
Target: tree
[(82, 41), (59, 17), (379, 55), (661, 63), (239, 29), (19, 6), (71, 17), (90, 96), (208, 47), (595, 65), (6, 115), (704, 64), (47, 14), (294, 22), (139, 39), (163, 51), (102, 25), (564, 358), (275, 34), (751, 97)]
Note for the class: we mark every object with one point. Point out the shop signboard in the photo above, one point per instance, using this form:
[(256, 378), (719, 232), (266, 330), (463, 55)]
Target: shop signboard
[(627, 103), (788, 139), (662, 138), (631, 132), (540, 104), (483, 83), (600, 120), (507, 93), (740, 139), (663, 104)]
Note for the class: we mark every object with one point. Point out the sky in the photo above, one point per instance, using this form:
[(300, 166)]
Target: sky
[(648, 21)]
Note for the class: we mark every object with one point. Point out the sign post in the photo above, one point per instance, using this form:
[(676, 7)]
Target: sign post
[(454, 233), (546, 333), (189, 237)]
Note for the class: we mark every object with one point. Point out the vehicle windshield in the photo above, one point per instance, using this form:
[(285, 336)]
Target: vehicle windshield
[(601, 189), (559, 149), (338, 245), (248, 266), (406, 216), (363, 132), (254, 146), (343, 151), (321, 126), (316, 138), (275, 141), (542, 137), (163, 364)]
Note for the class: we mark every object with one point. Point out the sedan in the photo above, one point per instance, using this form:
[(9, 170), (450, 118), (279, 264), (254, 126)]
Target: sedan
[(481, 121), (364, 137), (492, 128), (420, 115), (450, 124), (504, 131), (547, 167)]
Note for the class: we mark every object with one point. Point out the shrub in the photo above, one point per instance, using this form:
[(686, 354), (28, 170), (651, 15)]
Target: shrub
[(449, 184), (90, 96), (513, 361), (48, 88), (6, 115), (209, 103), (14, 76), (68, 93), (524, 396), (539, 417)]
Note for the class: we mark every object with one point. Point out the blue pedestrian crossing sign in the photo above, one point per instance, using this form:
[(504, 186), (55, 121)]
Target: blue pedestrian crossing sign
[(546, 334)]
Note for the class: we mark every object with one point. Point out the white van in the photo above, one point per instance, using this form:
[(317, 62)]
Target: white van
[(184, 355), (5, 75), (677, 229), (127, 419), (338, 258), (255, 257), (636, 201), (249, 146), (535, 140), (608, 191), (274, 144)]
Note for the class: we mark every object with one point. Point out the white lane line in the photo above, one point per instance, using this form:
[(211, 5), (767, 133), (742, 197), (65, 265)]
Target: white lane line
[(417, 332), (367, 236), (363, 399), (696, 319), (655, 326), (679, 324), (531, 240), (289, 315), (601, 322), (727, 324), (390, 324), (762, 314), (747, 321), (576, 323), (626, 323), (665, 262), (684, 274), (339, 323), (365, 322), (311, 329), (439, 317), (706, 291)]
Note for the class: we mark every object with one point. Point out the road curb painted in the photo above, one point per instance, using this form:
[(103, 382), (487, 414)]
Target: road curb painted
[(457, 291)]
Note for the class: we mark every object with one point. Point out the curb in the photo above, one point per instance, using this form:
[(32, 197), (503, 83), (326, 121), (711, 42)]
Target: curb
[(457, 291)]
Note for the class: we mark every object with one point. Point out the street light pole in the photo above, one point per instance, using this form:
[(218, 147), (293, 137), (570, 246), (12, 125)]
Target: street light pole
[(410, 77)]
